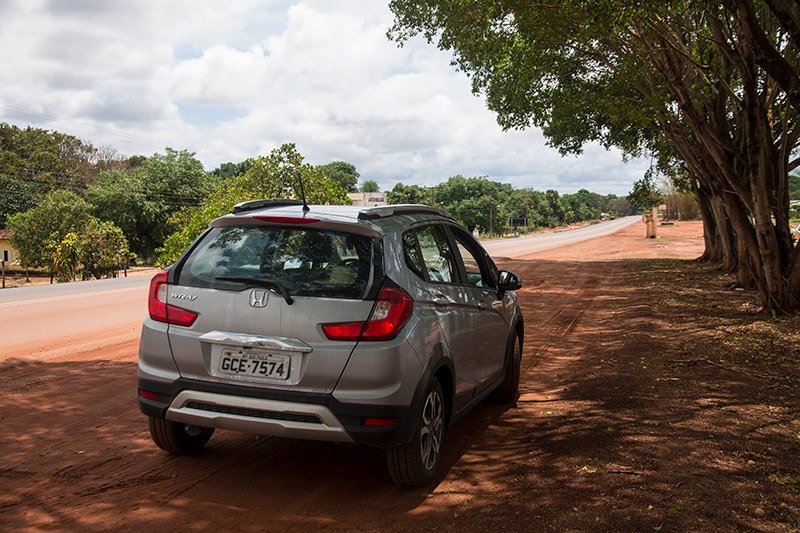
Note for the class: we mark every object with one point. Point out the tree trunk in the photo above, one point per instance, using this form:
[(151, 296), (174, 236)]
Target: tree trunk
[(766, 177), (729, 260), (711, 231), (736, 134)]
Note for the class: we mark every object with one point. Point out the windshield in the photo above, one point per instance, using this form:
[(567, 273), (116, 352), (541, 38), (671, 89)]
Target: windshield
[(305, 262)]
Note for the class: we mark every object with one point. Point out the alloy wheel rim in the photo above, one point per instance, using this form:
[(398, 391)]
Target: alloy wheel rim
[(431, 431)]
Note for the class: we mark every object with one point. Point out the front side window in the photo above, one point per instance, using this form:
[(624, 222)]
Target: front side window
[(305, 262), (479, 269)]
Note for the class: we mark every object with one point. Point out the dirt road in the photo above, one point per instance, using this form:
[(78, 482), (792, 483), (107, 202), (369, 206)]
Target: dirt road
[(609, 434)]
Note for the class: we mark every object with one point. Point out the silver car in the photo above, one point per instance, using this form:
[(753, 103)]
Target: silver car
[(377, 326)]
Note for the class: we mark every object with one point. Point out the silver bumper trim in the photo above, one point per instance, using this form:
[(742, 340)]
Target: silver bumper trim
[(261, 417)]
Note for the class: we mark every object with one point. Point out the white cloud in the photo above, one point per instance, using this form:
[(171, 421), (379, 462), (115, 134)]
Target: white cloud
[(237, 79)]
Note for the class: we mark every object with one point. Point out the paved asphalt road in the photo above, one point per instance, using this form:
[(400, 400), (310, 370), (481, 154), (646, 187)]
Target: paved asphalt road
[(522, 246)]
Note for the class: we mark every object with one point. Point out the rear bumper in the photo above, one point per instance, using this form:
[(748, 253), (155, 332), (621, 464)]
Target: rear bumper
[(273, 413), (253, 415)]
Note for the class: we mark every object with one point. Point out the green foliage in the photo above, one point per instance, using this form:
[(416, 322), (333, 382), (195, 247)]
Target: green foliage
[(47, 160), (65, 258), (62, 236), (489, 206), (170, 182), (16, 196), (370, 186), (408, 194), (794, 187), (275, 176), (141, 201), (163, 201), (231, 170), (475, 202), (584, 205), (529, 205), (37, 233), (550, 65), (687, 207), (343, 173), (102, 248), (556, 209), (645, 195), (119, 196), (98, 250)]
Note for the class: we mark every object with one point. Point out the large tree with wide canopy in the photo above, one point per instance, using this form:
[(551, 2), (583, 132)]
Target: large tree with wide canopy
[(710, 90)]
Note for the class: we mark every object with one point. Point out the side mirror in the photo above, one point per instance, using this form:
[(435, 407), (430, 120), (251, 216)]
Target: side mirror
[(509, 281)]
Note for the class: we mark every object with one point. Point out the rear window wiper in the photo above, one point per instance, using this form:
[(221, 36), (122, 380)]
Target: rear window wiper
[(270, 284)]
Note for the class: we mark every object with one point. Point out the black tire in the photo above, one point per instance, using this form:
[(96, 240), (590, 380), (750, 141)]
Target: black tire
[(415, 464), (508, 390), (177, 438)]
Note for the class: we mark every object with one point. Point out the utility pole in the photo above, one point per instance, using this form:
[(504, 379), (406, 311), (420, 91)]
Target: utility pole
[(491, 214)]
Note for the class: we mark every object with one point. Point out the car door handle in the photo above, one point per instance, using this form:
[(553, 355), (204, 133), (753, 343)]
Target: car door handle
[(441, 299)]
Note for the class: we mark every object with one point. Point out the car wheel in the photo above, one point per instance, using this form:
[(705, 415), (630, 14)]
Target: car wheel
[(178, 438), (415, 464), (508, 390)]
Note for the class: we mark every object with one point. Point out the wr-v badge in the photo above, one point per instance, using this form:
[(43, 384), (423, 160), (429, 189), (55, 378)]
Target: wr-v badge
[(259, 297)]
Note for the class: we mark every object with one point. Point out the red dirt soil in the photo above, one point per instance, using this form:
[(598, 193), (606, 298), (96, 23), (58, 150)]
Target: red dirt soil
[(638, 412)]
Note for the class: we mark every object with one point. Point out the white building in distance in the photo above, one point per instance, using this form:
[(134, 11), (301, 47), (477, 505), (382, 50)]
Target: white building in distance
[(368, 199)]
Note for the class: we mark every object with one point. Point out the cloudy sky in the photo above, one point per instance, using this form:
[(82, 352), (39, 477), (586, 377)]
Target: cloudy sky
[(235, 79)]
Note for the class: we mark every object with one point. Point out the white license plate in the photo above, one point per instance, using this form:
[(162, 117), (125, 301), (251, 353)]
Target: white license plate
[(254, 363)]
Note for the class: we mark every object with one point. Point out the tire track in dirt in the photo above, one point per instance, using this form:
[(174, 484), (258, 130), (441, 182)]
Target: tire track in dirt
[(559, 311), (568, 316)]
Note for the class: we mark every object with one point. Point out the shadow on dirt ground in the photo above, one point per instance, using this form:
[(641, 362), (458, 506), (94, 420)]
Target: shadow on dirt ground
[(653, 398)]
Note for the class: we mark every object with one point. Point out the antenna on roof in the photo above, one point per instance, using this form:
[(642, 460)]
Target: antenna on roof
[(306, 209)]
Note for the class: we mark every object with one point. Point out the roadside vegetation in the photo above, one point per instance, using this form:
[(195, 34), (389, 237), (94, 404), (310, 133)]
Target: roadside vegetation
[(77, 211)]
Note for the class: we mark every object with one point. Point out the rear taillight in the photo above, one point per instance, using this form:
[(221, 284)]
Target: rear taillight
[(159, 309), (390, 313), (379, 422), (148, 395)]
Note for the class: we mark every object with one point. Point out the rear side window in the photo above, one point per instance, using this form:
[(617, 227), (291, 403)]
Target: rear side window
[(306, 262), (428, 254)]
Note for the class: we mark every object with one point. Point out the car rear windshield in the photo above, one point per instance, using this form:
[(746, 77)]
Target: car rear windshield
[(305, 262)]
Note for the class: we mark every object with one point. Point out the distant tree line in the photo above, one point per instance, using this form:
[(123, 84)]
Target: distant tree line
[(496, 208), (78, 211)]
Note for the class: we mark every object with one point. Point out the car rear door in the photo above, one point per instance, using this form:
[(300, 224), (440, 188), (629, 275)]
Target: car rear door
[(491, 311), (471, 323)]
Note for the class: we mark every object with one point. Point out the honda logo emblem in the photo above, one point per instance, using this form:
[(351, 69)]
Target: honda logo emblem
[(259, 297)]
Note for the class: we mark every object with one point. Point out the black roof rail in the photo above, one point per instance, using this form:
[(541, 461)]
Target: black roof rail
[(397, 209), (262, 204)]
